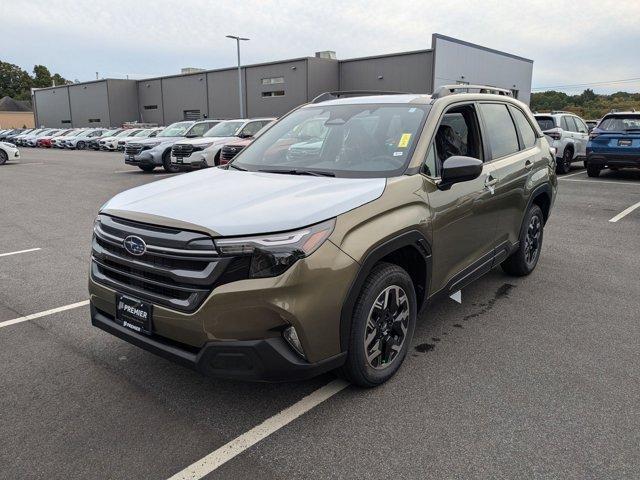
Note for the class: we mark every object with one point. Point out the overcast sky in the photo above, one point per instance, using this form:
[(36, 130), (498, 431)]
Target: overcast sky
[(571, 42)]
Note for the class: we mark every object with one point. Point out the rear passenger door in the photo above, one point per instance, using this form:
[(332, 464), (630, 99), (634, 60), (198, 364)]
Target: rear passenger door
[(514, 154)]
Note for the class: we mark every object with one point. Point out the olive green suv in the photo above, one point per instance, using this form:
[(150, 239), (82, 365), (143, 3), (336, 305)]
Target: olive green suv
[(320, 244)]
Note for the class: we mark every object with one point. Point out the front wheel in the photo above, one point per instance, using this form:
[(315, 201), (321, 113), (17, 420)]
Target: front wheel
[(383, 322), (524, 260), (147, 168), (81, 145), (3, 157), (167, 165)]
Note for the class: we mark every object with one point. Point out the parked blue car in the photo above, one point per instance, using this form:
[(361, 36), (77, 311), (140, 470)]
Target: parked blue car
[(614, 143)]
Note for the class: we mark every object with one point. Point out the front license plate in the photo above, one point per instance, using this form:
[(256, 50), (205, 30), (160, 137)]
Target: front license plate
[(134, 314), (130, 158), (624, 143)]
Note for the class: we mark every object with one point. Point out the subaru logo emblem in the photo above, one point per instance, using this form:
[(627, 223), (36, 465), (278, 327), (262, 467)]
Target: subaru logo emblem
[(135, 245)]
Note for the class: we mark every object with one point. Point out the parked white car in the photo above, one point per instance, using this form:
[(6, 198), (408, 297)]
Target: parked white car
[(25, 137), (32, 140), (111, 143), (145, 133), (205, 151), (8, 151), (569, 134), (81, 140), (58, 142)]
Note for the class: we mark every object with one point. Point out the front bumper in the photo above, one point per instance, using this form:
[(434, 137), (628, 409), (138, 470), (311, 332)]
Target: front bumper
[(144, 158), (196, 159), (269, 360), (614, 160)]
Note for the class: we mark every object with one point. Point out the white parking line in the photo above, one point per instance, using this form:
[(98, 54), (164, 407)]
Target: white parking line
[(20, 251), (621, 182), (235, 447), (625, 212), (573, 174), (33, 316)]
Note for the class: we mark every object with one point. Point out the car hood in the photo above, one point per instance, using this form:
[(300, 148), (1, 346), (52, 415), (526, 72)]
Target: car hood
[(158, 141), (231, 203), (206, 140)]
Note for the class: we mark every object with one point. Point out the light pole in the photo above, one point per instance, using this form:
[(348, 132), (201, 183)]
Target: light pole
[(238, 39)]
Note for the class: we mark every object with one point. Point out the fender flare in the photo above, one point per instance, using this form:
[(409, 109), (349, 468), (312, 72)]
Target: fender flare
[(412, 238), (543, 189)]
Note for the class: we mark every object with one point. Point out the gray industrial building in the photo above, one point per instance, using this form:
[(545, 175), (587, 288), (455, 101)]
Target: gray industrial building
[(274, 88)]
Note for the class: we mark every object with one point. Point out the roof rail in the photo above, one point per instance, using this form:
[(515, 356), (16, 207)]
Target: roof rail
[(555, 112), (323, 97), (445, 90)]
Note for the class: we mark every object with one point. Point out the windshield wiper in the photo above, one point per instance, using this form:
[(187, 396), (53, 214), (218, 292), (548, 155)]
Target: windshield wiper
[(314, 173), (237, 168)]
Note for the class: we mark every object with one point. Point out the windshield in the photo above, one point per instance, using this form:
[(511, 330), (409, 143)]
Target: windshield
[(109, 133), (175, 129), (78, 132), (620, 123), (545, 123), (199, 129), (123, 133), (143, 133), (341, 140), (224, 129)]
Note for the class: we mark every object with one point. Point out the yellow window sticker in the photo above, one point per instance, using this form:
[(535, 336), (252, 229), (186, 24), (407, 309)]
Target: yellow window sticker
[(404, 140)]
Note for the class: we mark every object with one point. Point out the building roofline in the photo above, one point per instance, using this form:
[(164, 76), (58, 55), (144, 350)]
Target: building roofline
[(474, 45), (385, 55)]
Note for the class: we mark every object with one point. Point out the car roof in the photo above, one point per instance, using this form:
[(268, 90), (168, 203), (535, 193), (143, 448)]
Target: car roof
[(631, 112), (377, 99)]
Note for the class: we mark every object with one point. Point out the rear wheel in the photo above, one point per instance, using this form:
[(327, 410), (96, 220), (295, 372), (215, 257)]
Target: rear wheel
[(167, 165), (384, 318), (593, 170), (147, 168), (81, 145), (3, 157), (524, 260), (564, 165)]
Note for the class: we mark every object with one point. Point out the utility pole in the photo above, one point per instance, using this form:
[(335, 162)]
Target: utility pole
[(238, 39)]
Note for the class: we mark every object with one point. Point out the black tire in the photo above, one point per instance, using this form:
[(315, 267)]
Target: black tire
[(3, 157), (147, 168), (593, 170), (524, 260), (564, 165), (80, 146), (167, 165), (358, 369)]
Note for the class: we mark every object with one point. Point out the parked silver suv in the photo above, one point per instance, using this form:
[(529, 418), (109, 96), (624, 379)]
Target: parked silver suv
[(570, 135)]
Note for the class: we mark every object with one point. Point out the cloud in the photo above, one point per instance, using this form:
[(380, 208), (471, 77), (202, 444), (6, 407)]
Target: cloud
[(571, 42)]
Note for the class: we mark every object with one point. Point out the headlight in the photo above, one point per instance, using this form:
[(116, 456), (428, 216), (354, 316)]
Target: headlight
[(273, 254), (202, 146)]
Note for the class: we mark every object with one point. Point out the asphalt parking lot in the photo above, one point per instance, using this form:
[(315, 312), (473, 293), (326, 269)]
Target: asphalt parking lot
[(536, 377)]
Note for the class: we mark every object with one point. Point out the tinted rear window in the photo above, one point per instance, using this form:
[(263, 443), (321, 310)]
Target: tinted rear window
[(546, 123), (620, 123)]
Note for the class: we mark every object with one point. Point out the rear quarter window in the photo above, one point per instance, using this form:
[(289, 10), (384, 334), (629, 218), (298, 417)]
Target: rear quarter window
[(526, 131)]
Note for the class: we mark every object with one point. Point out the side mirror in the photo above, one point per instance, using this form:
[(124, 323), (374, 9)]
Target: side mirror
[(458, 169)]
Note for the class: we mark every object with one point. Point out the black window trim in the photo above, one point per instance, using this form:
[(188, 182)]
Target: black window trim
[(483, 145), (523, 148)]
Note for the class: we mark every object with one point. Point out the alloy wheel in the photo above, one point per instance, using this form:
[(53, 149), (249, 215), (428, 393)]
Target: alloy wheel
[(532, 240), (387, 327)]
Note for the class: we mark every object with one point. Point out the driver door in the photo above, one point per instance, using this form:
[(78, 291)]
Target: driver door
[(463, 221)]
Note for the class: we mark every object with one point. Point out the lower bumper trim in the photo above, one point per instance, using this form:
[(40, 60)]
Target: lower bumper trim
[(264, 360)]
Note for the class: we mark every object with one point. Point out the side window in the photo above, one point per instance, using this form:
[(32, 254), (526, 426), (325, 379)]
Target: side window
[(458, 135), (582, 127), (500, 130), (568, 124), (527, 133)]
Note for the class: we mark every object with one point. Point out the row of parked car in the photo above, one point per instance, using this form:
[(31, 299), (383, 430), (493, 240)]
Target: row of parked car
[(76, 138), (612, 142)]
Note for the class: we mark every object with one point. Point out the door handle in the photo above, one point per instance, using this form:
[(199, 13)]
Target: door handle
[(490, 183), (528, 164)]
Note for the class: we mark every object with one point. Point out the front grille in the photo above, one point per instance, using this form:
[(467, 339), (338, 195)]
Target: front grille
[(132, 148), (178, 270), (230, 151), (182, 150)]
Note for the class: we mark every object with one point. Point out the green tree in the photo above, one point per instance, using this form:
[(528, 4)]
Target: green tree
[(14, 81), (59, 79), (41, 76)]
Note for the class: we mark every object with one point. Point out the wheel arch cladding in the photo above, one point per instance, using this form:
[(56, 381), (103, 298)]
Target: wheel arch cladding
[(410, 251)]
